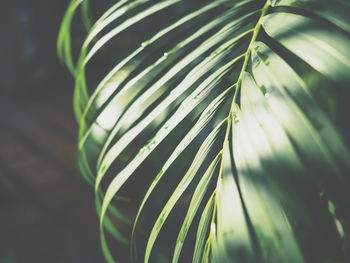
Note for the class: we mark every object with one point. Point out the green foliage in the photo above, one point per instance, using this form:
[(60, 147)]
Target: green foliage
[(228, 127)]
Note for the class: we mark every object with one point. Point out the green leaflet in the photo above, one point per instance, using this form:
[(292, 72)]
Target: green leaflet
[(187, 106), (323, 48), (275, 240), (290, 101), (233, 238), (201, 248), (186, 180), (207, 115), (201, 69), (112, 74), (161, 82), (64, 38), (336, 13)]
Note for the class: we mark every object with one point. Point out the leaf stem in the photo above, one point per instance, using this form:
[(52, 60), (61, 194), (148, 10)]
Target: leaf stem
[(256, 31), (230, 117), (246, 55)]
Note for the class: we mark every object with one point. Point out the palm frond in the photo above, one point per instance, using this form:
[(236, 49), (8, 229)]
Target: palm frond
[(231, 117)]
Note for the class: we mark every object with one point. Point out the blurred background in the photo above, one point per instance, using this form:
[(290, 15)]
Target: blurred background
[(47, 211)]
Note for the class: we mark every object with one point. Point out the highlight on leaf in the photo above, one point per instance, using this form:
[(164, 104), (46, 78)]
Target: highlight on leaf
[(223, 123)]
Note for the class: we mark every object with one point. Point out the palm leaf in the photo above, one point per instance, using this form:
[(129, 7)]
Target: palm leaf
[(233, 114)]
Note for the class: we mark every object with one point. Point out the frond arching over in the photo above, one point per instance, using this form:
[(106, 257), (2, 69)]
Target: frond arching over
[(231, 116)]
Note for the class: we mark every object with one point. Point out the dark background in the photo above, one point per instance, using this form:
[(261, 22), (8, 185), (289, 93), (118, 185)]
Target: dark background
[(47, 211)]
